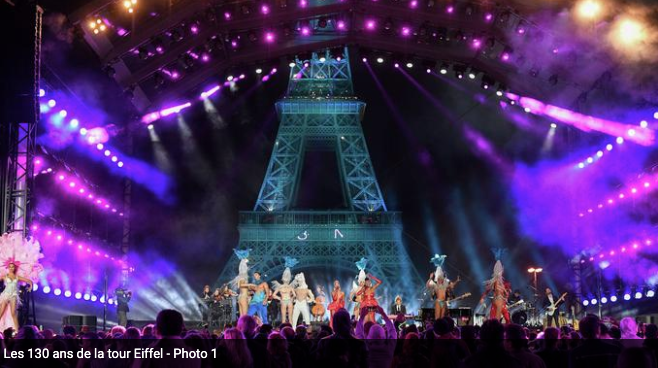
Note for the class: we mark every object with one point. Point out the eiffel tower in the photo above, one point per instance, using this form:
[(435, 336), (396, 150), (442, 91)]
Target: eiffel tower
[(320, 112)]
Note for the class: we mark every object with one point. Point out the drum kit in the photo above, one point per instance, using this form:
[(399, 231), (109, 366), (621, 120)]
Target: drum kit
[(524, 313), (222, 312)]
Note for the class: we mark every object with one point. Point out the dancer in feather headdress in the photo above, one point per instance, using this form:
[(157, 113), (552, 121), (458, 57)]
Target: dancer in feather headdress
[(355, 297), (284, 292), (497, 286), (303, 295), (20, 263), (241, 281), (439, 285)]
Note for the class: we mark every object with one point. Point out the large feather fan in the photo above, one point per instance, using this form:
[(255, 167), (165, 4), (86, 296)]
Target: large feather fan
[(22, 252)]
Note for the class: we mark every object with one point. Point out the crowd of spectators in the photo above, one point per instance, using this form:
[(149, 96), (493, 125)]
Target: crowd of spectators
[(347, 344)]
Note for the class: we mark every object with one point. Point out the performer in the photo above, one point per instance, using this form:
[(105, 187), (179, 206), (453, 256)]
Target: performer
[(284, 292), (205, 300), (318, 309), (19, 258), (440, 287), (369, 300), (355, 297), (258, 304), (303, 295), (123, 296), (398, 308), (241, 281), (552, 307), (337, 301), (515, 297), (496, 286)]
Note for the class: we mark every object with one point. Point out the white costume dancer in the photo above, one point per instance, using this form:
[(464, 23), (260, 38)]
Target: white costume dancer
[(303, 296), (241, 281), (284, 292), (20, 261)]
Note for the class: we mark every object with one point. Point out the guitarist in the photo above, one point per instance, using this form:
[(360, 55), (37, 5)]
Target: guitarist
[(552, 305), (440, 286)]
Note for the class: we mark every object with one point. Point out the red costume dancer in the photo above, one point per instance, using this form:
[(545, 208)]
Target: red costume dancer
[(368, 299), (496, 286), (337, 301)]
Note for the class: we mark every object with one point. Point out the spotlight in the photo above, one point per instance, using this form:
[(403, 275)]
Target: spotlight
[(371, 25), (86, 297), (638, 295), (396, 65), (585, 303), (94, 298), (627, 296), (57, 291), (651, 294), (52, 103), (644, 124), (428, 70), (620, 140), (471, 75), (380, 60), (608, 147), (259, 71), (604, 300), (553, 125), (78, 295), (629, 32), (42, 92), (593, 301), (340, 25), (410, 65), (444, 69), (120, 164), (613, 298), (365, 60), (46, 289), (292, 64), (269, 37)]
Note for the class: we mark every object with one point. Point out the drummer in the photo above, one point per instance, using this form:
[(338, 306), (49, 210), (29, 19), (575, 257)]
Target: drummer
[(515, 297)]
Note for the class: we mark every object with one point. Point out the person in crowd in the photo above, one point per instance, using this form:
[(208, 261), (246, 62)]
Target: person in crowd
[(628, 328), (235, 350), (380, 342), (277, 350), (549, 353), (247, 325), (636, 357), (593, 352), (516, 343), (341, 349), (492, 354)]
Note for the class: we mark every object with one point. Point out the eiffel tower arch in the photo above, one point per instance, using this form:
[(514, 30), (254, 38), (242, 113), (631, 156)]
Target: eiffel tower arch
[(320, 112)]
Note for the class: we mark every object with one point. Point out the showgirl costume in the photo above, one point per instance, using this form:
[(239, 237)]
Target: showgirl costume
[(301, 306), (337, 301), (285, 278), (496, 285), (243, 273), (438, 261), (24, 254), (356, 286)]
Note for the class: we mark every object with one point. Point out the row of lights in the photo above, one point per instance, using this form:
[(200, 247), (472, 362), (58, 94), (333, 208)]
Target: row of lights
[(77, 295), (74, 186), (620, 140), (231, 79), (631, 247), (643, 186), (60, 236), (613, 298)]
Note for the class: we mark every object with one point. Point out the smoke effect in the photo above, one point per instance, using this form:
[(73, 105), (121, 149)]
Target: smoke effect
[(587, 54)]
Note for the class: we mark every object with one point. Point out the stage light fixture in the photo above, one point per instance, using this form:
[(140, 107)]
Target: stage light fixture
[(627, 296), (644, 124), (444, 69), (370, 24), (638, 295), (593, 301), (613, 298), (585, 303), (588, 9), (259, 71), (650, 293), (46, 289), (409, 65), (553, 125), (380, 60), (604, 300)]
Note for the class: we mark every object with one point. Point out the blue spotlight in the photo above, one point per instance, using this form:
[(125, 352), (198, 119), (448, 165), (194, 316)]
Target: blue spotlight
[(74, 123), (604, 300), (52, 103), (585, 303), (78, 295), (638, 295), (593, 301), (627, 296), (93, 298), (67, 293), (651, 294), (42, 92), (35, 287), (613, 298), (46, 289), (57, 291), (86, 297)]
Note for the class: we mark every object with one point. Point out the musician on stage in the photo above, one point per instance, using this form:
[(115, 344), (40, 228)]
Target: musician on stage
[(205, 300), (515, 297), (398, 308), (552, 306)]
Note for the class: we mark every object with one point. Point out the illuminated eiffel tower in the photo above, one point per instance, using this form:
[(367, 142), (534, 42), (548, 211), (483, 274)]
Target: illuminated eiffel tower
[(320, 112)]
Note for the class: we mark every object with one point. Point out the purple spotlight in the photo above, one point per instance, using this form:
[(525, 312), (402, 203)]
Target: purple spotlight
[(94, 298), (413, 4), (120, 164), (396, 65), (370, 26), (210, 92), (67, 293), (406, 31), (340, 25), (227, 15), (115, 159), (63, 113), (264, 9), (175, 74), (86, 296), (265, 78), (57, 291), (107, 153), (52, 103), (488, 17), (205, 57), (159, 49), (450, 9), (505, 56), (303, 3), (234, 44), (46, 289), (173, 110), (305, 31), (477, 43), (78, 295), (269, 37), (194, 28), (42, 92)]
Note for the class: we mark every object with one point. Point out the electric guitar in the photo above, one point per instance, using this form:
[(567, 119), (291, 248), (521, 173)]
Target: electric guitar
[(463, 296), (550, 310), (515, 304)]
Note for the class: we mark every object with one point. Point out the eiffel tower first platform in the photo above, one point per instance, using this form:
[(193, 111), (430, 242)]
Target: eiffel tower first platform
[(320, 112)]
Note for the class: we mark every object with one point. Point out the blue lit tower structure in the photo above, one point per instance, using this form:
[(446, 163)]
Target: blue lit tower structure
[(320, 112)]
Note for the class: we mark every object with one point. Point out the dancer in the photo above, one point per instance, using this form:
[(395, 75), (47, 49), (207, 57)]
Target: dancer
[(355, 297), (303, 295), (20, 261), (369, 300), (284, 292), (337, 301), (496, 286), (440, 287), (318, 309), (241, 281), (258, 303)]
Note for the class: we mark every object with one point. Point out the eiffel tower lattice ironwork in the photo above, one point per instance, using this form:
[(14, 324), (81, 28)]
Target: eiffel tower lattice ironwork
[(320, 112)]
